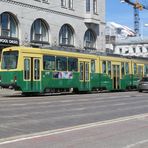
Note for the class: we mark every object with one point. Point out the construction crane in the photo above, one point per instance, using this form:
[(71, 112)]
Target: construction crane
[(137, 6)]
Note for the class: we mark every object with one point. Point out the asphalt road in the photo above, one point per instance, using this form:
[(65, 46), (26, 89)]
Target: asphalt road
[(104, 120)]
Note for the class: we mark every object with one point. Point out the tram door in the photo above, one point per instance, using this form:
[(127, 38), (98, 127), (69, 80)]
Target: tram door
[(140, 70), (32, 74), (84, 74), (116, 76)]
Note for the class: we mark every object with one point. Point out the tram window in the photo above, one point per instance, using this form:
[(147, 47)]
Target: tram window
[(48, 62), (72, 64), (109, 68), (36, 69), (9, 60), (87, 71), (145, 69), (81, 71), (127, 68), (93, 66), (26, 69), (135, 68), (140, 70), (122, 69), (61, 63), (104, 67)]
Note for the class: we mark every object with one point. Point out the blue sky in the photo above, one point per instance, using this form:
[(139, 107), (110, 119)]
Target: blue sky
[(123, 14)]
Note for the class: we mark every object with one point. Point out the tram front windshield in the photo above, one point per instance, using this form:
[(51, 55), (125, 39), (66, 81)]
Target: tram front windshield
[(9, 60)]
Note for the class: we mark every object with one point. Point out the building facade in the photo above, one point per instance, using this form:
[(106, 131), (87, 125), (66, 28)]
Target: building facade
[(123, 41), (78, 24), (134, 46)]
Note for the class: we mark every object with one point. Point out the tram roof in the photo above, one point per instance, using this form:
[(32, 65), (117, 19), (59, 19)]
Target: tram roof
[(72, 52)]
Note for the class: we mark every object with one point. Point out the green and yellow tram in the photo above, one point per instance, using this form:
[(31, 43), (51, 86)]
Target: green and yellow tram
[(34, 70)]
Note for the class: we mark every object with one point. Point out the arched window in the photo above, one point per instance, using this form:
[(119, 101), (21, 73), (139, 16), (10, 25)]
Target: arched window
[(89, 39), (39, 31), (66, 35), (9, 26)]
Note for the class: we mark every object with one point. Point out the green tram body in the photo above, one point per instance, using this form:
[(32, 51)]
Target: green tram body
[(34, 70)]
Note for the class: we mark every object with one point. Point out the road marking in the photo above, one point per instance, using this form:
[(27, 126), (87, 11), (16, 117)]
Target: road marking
[(69, 129), (136, 144)]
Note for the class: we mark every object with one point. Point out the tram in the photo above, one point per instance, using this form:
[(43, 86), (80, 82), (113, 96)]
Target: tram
[(37, 70)]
